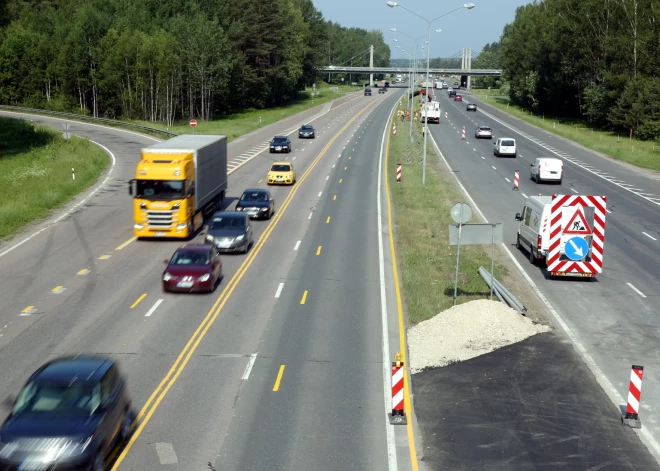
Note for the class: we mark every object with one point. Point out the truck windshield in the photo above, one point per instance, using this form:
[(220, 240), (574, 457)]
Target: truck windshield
[(160, 189)]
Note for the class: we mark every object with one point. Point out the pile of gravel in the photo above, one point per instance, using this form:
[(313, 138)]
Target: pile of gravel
[(466, 331)]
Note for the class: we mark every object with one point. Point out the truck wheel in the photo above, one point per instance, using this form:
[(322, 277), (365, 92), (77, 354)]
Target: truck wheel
[(532, 258), (518, 246)]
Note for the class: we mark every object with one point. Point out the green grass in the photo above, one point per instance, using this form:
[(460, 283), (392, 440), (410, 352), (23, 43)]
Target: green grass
[(645, 154), (421, 218), (35, 171), (244, 122)]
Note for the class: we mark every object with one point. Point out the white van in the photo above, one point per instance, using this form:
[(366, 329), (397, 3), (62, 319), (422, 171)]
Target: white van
[(505, 146), (534, 230), (547, 169)]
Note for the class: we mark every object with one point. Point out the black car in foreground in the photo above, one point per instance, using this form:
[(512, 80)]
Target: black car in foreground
[(256, 203), (307, 131), (230, 231), (68, 417), (280, 144)]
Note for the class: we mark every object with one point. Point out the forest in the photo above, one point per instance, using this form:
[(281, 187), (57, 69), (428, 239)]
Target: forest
[(166, 60), (597, 60)]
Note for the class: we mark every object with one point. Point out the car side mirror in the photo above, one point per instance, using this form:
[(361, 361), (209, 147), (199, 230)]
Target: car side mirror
[(518, 217), (130, 187), (8, 402), (532, 164), (166, 262)]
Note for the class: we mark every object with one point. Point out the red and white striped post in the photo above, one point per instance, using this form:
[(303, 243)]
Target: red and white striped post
[(446, 115), (463, 133), (398, 415), (398, 173), (394, 129), (516, 180), (631, 417)]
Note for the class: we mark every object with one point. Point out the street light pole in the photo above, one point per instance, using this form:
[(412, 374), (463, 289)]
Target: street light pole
[(391, 4)]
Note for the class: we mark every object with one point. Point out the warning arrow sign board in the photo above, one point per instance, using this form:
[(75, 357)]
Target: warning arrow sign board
[(578, 224)]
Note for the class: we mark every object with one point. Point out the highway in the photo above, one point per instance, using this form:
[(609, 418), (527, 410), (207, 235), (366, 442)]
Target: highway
[(614, 318), (283, 367)]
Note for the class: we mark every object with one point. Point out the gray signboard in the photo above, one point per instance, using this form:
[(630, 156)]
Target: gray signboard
[(476, 234)]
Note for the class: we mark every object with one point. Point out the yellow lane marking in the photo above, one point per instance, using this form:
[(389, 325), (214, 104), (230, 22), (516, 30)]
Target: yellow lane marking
[(138, 300), (340, 180), (126, 243), (327, 221), (84, 271), (334, 197), (304, 297), (56, 289), (318, 251), (399, 308), (104, 257), (279, 379), (28, 309), (260, 180), (149, 408)]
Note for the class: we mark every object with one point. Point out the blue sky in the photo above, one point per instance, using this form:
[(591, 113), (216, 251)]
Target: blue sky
[(464, 28)]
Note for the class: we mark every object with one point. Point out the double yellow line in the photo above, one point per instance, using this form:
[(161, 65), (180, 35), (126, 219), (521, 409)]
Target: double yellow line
[(147, 411)]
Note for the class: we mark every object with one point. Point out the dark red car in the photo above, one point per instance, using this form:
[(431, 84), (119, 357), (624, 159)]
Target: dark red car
[(458, 97), (193, 268)]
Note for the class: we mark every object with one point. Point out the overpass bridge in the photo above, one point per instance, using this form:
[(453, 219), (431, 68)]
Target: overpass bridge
[(403, 70)]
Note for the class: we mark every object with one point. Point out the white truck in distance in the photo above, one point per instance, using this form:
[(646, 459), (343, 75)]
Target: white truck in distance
[(431, 113)]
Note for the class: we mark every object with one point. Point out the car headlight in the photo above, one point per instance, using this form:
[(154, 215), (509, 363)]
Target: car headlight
[(240, 237), (209, 237), (204, 277), (167, 277), (183, 225), (7, 449), (239, 208), (138, 226), (264, 209)]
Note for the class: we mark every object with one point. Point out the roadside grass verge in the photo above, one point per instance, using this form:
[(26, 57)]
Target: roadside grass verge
[(35, 171), (421, 219), (244, 122), (644, 154)]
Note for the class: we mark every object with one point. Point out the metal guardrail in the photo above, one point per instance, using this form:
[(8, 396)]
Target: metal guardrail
[(502, 292), (83, 117)]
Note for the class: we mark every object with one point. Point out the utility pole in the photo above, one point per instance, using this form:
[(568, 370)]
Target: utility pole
[(371, 65), (463, 59)]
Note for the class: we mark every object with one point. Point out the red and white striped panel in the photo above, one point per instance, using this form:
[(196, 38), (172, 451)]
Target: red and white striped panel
[(397, 390), (635, 391), (598, 242)]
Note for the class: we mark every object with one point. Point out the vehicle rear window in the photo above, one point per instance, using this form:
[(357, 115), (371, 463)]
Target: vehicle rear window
[(281, 168), (223, 222), (484, 128), (508, 143)]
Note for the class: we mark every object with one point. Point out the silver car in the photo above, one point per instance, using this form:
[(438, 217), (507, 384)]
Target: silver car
[(230, 231), (471, 107), (483, 131)]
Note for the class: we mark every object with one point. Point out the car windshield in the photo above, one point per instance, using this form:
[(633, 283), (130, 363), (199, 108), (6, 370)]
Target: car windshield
[(223, 222), (279, 140), (307, 128), (280, 168), (508, 143), (254, 196), (160, 189), (58, 399), (190, 257), (484, 128)]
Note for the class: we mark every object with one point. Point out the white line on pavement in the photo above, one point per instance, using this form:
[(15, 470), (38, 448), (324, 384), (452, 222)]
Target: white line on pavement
[(636, 290), (153, 308), (297, 245), (279, 290), (649, 236), (248, 368)]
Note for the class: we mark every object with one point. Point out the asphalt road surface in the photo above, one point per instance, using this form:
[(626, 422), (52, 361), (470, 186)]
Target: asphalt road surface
[(282, 367), (614, 318)]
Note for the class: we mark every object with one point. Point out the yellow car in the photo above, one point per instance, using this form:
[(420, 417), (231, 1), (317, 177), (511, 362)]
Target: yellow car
[(281, 173)]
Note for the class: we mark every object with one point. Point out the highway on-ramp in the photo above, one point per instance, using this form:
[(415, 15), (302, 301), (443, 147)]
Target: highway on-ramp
[(614, 319), (283, 366)]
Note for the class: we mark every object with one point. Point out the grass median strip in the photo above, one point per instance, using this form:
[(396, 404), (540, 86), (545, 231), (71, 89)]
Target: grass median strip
[(35, 171), (421, 219), (645, 154)]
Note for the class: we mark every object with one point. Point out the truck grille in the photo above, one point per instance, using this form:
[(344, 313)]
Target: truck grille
[(159, 219)]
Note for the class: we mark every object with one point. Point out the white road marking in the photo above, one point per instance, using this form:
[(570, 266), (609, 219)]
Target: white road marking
[(166, 453), (524, 195), (327, 177), (606, 384), (636, 290), (248, 368), (333, 166), (153, 308), (387, 374), (574, 190), (493, 167), (507, 180), (649, 236), (293, 158), (296, 246), (279, 290), (310, 215), (474, 149), (320, 193), (608, 210)]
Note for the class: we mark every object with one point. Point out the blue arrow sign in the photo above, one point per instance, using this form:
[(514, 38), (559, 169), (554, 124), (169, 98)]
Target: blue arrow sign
[(576, 248)]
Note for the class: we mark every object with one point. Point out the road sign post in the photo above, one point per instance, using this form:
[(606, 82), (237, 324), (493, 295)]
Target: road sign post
[(460, 213), (66, 134), (193, 124)]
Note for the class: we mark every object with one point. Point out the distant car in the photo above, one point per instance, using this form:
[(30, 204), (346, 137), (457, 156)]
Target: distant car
[(547, 169), (381, 90), (387, 84), (367, 92), (69, 415), (230, 231), (505, 146), (471, 107), (193, 268), (451, 93), (281, 173), (307, 130), (280, 144), (483, 131), (256, 203), (458, 97)]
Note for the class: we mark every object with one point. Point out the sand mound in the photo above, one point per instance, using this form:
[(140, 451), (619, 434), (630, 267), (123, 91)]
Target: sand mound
[(467, 331)]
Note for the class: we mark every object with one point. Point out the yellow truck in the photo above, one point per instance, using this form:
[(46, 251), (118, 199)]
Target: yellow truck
[(177, 184)]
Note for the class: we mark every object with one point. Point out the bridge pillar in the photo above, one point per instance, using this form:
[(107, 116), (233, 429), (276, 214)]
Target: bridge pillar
[(371, 65), (469, 66)]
